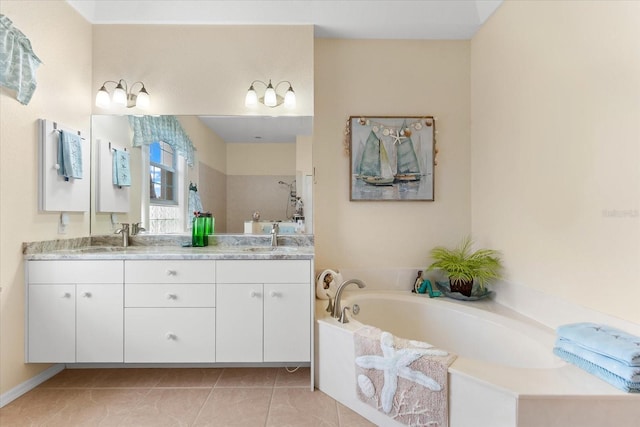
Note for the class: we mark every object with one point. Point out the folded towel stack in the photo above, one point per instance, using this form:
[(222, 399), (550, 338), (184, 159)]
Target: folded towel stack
[(69, 155), (609, 353)]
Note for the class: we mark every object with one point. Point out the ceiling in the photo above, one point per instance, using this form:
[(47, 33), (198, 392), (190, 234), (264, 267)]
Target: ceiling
[(347, 19), (259, 128), (351, 19)]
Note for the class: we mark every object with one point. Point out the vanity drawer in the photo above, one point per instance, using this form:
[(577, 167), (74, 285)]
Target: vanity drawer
[(169, 335), (75, 271), (170, 295), (263, 271), (169, 271)]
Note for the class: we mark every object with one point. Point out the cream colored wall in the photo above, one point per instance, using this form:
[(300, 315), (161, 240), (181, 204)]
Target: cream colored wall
[(556, 148), (375, 77), (304, 154), (261, 159), (62, 40), (200, 69), (210, 148)]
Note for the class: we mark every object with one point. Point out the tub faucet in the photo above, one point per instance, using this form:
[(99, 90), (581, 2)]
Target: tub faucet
[(337, 311), (124, 230), (274, 234)]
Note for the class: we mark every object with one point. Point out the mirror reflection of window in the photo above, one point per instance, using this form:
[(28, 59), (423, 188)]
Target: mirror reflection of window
[(162, 168), (164, 204)]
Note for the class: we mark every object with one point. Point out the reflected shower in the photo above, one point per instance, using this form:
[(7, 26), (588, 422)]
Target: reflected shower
[(291, 197)]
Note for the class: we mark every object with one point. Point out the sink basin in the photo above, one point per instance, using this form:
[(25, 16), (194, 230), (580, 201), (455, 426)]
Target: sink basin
[(267, 249), (97, 249)]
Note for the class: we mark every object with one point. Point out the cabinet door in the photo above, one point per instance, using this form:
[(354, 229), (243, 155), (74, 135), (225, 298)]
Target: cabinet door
[(239, 322), (99, 323), (52, 323), (287, 323)]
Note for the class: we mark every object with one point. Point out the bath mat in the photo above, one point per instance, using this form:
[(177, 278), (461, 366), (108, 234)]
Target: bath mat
[(404, 379)]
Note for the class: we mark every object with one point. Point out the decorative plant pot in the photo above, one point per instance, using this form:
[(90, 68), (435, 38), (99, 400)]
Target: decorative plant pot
[(462, 286)]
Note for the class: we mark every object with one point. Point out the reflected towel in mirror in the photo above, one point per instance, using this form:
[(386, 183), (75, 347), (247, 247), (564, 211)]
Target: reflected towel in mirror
[(121, 168)]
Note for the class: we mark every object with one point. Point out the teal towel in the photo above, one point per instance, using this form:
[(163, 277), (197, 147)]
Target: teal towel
[(69, 155), (121, 168), (628, 373), (604, 340), (598, 371)]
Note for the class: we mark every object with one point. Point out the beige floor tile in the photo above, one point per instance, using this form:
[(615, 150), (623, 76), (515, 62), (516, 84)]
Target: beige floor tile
[(190, 377), (349, 418), (90, 378), (168, 407), (299, 378), (37, 406), (248, 377), (99, 407), (235, 407), (297, 407)]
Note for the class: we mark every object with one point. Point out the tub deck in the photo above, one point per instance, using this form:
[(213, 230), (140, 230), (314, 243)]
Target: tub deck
[(482, 393)]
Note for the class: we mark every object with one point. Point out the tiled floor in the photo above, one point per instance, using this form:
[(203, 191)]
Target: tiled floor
[(178, 397)]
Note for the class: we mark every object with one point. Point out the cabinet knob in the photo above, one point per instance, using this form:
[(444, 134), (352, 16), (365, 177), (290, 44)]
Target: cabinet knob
[(275, 294), (171, 272), (171, 336), (254, 294), (66, 295), (86, 294), (172, 296)]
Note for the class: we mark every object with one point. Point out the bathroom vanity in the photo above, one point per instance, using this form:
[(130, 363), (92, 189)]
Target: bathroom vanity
[(168, 304)]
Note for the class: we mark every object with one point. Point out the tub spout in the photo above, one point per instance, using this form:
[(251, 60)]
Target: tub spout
[(337, 311)]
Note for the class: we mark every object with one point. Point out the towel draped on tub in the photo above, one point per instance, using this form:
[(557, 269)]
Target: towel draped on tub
[(404, 379)]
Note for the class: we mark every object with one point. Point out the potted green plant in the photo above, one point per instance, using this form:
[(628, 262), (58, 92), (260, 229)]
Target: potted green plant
[(464, 266)]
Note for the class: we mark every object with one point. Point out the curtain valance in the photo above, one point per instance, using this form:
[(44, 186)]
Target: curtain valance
[(18, 62), (148, 129)]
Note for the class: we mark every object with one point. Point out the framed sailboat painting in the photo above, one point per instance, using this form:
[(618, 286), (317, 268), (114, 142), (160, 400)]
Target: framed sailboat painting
[(392, 158)]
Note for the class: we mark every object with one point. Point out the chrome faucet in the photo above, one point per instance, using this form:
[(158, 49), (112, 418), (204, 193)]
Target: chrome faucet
[(124, 230), (274, 234), (337, 311), (136, 228)]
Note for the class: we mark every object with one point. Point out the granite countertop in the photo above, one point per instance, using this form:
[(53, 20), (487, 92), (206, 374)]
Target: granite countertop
[(170, 247)]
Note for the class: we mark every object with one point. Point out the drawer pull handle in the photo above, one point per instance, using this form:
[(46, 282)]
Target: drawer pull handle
[(172, 272), (66, 295), (172, 296), (171, 336), (86, 294), (254, 294), (275, 294)]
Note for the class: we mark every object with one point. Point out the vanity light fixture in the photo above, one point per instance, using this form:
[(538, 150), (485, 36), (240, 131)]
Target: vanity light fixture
[(271, 97), (123, 95)]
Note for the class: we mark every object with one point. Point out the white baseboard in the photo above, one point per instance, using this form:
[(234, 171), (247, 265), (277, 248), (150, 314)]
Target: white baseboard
[(30, 384)]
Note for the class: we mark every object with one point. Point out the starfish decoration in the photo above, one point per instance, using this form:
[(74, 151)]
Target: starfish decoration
[(395, 363), (397, 137)]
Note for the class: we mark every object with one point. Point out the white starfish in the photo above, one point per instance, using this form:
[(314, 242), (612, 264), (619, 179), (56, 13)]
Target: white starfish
[(397, 137), (395, 363)]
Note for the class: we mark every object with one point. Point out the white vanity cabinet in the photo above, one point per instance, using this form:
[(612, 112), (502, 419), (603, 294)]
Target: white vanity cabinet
[(263, 311), (170, 313), (74, 311)]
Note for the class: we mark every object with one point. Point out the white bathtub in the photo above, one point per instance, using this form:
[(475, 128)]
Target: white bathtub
[(505, 373)]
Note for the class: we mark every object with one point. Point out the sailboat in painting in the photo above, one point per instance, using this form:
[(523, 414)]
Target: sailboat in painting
[(374, 167), (408, 168)]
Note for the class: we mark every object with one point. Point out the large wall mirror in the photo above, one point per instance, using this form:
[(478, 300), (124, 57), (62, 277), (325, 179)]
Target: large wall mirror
[(242, 165)]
